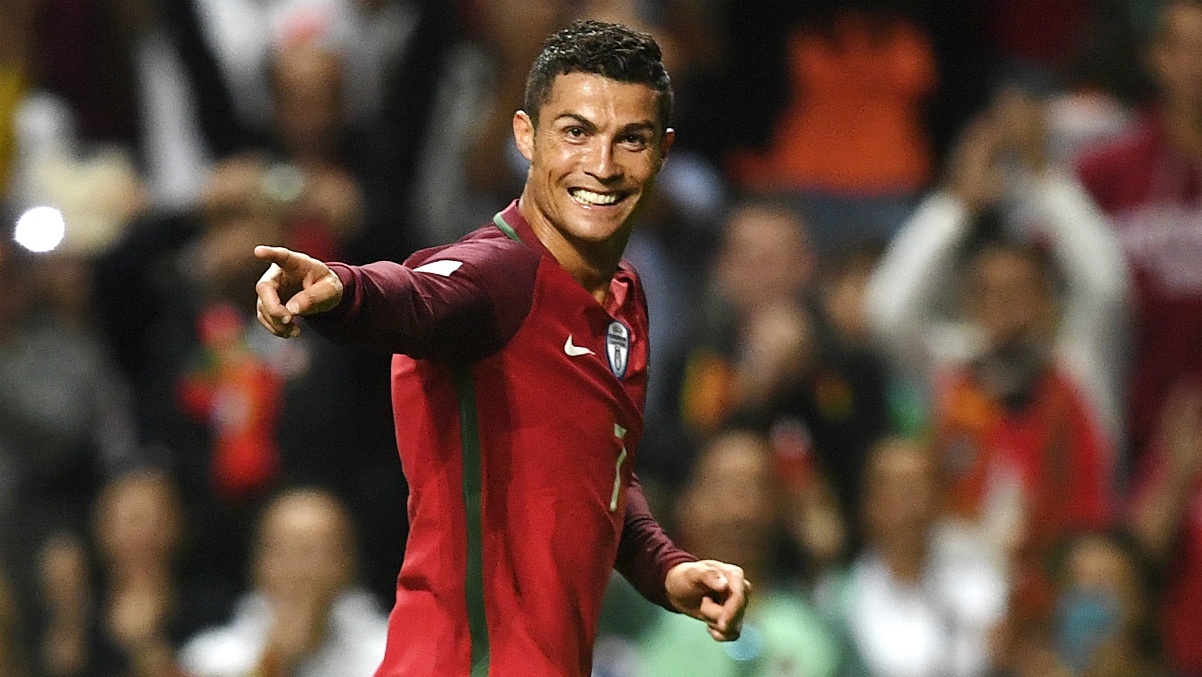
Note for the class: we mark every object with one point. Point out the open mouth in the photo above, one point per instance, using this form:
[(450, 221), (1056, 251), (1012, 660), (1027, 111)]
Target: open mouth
[(591, 199)]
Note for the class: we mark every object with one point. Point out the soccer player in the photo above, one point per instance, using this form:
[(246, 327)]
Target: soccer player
[(518, 386)]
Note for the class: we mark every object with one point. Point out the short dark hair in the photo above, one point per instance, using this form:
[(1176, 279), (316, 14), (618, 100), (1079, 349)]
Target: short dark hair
[(607, 49)]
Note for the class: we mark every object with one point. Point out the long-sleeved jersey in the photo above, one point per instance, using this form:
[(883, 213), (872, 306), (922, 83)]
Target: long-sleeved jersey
[(518, 402)]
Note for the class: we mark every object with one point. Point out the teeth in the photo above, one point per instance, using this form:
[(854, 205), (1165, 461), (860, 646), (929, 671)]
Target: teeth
[(589, 197)]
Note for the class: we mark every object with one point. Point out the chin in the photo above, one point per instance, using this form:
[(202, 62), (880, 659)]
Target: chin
[(594, 230)]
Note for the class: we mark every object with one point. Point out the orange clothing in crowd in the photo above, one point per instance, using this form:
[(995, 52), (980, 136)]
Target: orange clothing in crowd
[(1047, 460), (854, 123)]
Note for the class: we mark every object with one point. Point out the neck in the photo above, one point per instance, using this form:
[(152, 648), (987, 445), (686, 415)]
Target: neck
[(1183, 122), (591, 264), (140, 575)]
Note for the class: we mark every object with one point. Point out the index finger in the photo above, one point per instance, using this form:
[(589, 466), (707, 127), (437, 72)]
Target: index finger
[(276, 255)]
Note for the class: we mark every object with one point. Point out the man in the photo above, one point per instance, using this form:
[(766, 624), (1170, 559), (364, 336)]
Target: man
[(305, 617), (1150, 183), (519, 382)]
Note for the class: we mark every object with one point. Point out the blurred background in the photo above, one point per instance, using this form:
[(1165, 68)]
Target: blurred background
[(925, 283)]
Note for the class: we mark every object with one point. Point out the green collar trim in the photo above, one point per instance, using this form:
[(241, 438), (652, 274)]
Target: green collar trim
[(506, 228)]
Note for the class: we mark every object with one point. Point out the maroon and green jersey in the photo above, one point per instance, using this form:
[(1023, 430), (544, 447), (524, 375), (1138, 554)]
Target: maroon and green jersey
[(518, 402)]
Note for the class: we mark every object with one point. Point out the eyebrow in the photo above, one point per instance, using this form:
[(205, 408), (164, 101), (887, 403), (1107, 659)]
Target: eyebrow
[(583, 121), (645, 125)]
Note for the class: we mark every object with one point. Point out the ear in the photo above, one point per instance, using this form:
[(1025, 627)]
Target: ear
[(523, 134), (665, 143)]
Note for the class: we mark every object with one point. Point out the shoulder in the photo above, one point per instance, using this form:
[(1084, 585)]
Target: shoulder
[(231, 649), (1126, 155), (485, 258), (482, 248)]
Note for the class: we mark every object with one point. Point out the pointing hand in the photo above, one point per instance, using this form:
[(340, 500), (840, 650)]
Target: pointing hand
[(295, 284), (713, 592)]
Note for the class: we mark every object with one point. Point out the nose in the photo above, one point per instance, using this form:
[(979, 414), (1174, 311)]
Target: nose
[(600, 163)]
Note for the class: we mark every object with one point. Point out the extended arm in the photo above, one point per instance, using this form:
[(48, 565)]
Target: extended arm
[(710, 591), (904, 289), (1091, 338), (459, 302)]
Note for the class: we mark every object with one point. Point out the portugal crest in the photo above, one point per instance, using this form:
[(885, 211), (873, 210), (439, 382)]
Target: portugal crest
[(617, 347)]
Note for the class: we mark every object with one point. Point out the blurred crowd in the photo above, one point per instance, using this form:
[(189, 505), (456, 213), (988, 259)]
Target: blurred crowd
[(925, 286)]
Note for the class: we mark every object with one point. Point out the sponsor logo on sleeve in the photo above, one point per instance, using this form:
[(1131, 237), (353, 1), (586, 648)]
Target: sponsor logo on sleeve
[(444, 267)]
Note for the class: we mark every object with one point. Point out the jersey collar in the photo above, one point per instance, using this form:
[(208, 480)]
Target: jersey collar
[(511, 222), (514, 225)]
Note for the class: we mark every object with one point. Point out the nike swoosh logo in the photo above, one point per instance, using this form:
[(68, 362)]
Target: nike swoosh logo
[(574, 350)]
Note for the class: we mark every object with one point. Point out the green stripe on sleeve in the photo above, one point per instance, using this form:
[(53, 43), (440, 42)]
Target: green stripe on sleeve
[(505, 227), (469, 433)]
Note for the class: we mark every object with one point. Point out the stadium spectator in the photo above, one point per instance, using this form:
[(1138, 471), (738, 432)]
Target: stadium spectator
[(1024, 411), (62, 643), (142, 611), (467, 164), (1164, 517), (212, 389), (304, 617), (66, 420), (778, 351), (728, 511), (850, 144), (128, 620), (853, 125), (1104, 622), (1150, 183), (914, 603), (763, 271)]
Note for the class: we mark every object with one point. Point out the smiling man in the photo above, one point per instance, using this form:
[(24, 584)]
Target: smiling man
[(519, 378)]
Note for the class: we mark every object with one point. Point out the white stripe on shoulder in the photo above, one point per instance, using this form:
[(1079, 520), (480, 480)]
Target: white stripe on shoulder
[(444, 267)]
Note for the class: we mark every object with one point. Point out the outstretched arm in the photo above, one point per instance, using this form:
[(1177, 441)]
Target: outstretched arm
[(455, 303), (296, 284)]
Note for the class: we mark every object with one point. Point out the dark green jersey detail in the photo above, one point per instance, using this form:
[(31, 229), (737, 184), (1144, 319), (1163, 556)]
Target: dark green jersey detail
[(505, 227), (469, 433)]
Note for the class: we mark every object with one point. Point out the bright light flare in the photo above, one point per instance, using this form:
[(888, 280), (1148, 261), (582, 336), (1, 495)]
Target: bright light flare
[(40, 229)]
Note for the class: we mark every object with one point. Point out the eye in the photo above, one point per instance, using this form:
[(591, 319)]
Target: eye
[(634, 141), (574, 132)]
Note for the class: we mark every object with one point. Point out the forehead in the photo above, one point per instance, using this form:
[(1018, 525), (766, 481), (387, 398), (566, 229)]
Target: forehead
[(1005, 265), (601, 100)]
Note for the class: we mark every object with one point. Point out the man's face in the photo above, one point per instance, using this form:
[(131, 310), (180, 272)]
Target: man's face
[(899, 494), (728, 511), (765, 260), (1176, 57), (1011, 302), (593, 155)]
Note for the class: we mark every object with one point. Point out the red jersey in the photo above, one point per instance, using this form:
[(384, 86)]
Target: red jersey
[(1047, 461), (518, 402), (1153, 195)]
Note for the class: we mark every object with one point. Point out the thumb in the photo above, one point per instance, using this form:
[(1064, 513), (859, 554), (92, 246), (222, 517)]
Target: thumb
[(712, 578), (302, 302), (319, 296)]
